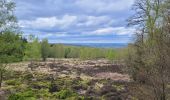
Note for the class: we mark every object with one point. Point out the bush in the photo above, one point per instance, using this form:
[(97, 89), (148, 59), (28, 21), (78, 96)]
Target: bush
[(77, 98), (13, 82), (63, 94), (40, 85), (15, 97), (42, 93), (28, 95)]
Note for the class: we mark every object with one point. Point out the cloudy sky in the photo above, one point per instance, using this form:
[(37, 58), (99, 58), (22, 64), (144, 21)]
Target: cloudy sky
[(76, 21)]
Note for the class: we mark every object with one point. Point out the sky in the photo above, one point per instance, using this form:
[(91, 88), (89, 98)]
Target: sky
[(76, 21)]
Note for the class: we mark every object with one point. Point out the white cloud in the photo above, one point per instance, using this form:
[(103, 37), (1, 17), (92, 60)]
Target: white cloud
[(95, 21), (49, 22), (75, 20), (67, 22), (56, 34), (112, 30), (101, 6)]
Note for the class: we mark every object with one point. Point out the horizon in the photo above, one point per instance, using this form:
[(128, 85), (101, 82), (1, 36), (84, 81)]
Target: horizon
[(95, 45)]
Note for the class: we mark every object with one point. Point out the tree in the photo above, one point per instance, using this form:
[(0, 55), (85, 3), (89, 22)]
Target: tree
[(11, 44), (52, 52), (60, 51), (45, 49), (111, 54), (151, 49), (73, 52), (7, 18), (84, 53), (11, 50), (67, 52), (33, 49)]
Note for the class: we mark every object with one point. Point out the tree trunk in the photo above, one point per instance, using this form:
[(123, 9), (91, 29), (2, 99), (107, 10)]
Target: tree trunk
[(1, 78)]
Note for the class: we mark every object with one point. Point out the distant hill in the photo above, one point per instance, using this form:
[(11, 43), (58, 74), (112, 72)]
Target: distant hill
[(99, 45)]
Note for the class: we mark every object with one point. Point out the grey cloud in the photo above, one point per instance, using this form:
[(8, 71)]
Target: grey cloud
[(72, 16)]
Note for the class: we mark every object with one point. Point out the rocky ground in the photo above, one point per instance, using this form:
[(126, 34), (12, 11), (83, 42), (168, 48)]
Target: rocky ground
[(70, 79)]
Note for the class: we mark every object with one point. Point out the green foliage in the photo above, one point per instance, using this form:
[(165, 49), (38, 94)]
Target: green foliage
[(33, 49), (27, 76), (52, 52), (67, 52), (91, 53), (13, 82), (111, 54), (15, 97), (11, 43), (77, 98), (63, 94), (11, 50), (27, 95), (45, 49), (40, 85), (74, 52), (85, 53), (116, 54), (59, 51), (11, 47), (63, 51), (43, 93)]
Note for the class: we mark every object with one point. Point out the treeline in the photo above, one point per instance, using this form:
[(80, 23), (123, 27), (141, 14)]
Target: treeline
[(35, 50)]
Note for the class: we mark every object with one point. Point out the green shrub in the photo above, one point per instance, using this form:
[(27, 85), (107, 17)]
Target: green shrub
[(15, 97), (63, 94), (111, 54), (13, 82), (77, 98), (28, 95), (40, 85), (42, 93)]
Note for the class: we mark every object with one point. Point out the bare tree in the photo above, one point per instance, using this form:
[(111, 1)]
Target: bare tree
[(152, 46)]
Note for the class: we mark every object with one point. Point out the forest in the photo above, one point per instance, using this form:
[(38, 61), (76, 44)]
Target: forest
[(41, 50), (34, 69)]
